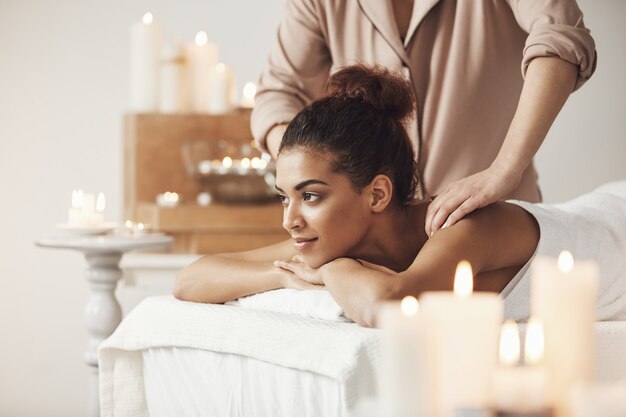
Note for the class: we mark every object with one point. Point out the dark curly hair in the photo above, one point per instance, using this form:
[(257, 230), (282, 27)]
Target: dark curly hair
[(361, 123)]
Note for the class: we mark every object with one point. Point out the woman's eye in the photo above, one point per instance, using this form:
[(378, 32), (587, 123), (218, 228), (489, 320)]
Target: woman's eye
[(284, 200), (310, 197)]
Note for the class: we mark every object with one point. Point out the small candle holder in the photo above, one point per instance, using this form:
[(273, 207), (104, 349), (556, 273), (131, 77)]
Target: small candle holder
[(228, 173)]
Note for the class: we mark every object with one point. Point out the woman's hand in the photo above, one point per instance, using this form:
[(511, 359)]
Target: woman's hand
[(464, 196), (302, 276)]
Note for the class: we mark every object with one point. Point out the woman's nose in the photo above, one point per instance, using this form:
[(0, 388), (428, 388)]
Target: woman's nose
[(292, 218)]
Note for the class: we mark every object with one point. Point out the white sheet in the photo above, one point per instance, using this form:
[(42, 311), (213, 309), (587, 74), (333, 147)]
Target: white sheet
[(343, 352), (196, 383)]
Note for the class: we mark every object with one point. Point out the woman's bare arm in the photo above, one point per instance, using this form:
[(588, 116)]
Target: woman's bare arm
[(226, 277)]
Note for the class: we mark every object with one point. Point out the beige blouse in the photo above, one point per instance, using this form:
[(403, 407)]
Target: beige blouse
[(462, 56)]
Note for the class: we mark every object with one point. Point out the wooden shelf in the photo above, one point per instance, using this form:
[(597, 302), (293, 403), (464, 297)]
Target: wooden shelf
[(153, 164)]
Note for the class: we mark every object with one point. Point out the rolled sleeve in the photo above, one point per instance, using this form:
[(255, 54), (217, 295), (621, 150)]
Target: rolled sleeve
[(556, 28), (297, 69)]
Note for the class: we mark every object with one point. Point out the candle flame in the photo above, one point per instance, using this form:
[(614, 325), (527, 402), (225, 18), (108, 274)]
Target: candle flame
[(256, 163), (78, 199), (100, 203), (249, 90), (227, 161), (509, 344), (201, 38), (566, 261), (409, 305), (534, 344), (128, 224), (245, 163), (147, 18), (463, 280), (140, 226), (170, 197)]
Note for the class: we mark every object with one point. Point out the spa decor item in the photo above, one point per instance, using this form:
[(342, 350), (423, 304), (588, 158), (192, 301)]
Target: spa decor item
[(230, 174), (563, 297), (174, 92), (86, 215), (467, 327), (247, 96), (201, 59), (520, 390), (221, 89), (406, 382), (102, 312), (146, 38)]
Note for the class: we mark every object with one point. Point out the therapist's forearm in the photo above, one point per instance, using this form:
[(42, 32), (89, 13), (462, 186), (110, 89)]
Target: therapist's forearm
[(549, 82), (274, 137)]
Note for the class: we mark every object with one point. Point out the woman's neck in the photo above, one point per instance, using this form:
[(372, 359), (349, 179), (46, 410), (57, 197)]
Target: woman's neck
[(395, 238)]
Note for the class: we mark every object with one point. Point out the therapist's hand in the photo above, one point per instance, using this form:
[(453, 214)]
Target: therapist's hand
[(464, 196)]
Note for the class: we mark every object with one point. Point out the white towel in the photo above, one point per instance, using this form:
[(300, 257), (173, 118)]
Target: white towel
[(592, 226), (345, 352), (317, 304)]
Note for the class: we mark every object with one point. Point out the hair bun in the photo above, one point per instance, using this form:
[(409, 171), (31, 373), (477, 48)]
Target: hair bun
[(388, 93)]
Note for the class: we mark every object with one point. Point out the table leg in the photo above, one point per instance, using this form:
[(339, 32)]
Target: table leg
[(102, 313)]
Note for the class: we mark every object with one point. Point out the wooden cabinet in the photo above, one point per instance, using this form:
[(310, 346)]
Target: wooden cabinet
[(153, 164)]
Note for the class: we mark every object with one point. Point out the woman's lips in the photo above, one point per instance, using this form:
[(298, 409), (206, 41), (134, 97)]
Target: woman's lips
[(303, 244)]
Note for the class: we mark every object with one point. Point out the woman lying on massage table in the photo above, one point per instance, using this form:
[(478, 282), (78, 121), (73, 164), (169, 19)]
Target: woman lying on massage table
[(346, 177)]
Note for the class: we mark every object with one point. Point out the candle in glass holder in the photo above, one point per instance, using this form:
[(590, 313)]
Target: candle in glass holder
[(563, 297), (467, 328), (406, 384)]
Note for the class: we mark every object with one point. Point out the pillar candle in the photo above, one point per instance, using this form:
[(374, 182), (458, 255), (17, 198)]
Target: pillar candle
[(563, 297), (467, 328), (221, 90), (520, 389), (201, 58), (145, 50), (406, 383), (173, 91)]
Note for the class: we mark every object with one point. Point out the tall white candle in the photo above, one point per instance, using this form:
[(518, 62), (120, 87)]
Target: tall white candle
[(221, 89), (173, 93), (145, 49), (406, 383), (201, 57), (563, 297), (467, 329)]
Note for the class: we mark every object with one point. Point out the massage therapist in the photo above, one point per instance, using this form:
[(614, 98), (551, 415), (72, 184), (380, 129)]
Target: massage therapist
[(479, 120)]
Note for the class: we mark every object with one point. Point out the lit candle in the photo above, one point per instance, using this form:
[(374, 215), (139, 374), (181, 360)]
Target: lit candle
[(145, 50), (201, 58), (173, 91), (466, 339), (520, 390), (406, 382), (221, 89), (97, 218), (247, 97), (75, 216), (563, 297), (168, 199)]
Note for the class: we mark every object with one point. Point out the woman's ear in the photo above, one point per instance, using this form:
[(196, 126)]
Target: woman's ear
[(381, 193)]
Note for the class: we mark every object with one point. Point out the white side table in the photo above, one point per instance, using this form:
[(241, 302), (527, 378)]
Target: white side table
[(102, 312)]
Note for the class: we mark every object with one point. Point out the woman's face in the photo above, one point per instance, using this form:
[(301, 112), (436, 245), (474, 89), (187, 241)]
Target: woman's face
[(325, 216)]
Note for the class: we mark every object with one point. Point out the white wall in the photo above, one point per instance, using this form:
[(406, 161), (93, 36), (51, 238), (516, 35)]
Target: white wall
[(63, 90)]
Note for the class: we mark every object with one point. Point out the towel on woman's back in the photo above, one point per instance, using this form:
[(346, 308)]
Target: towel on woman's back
[(592, 226)]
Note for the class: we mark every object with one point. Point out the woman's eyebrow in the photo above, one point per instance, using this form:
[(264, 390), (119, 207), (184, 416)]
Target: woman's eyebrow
[(303, 184)]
